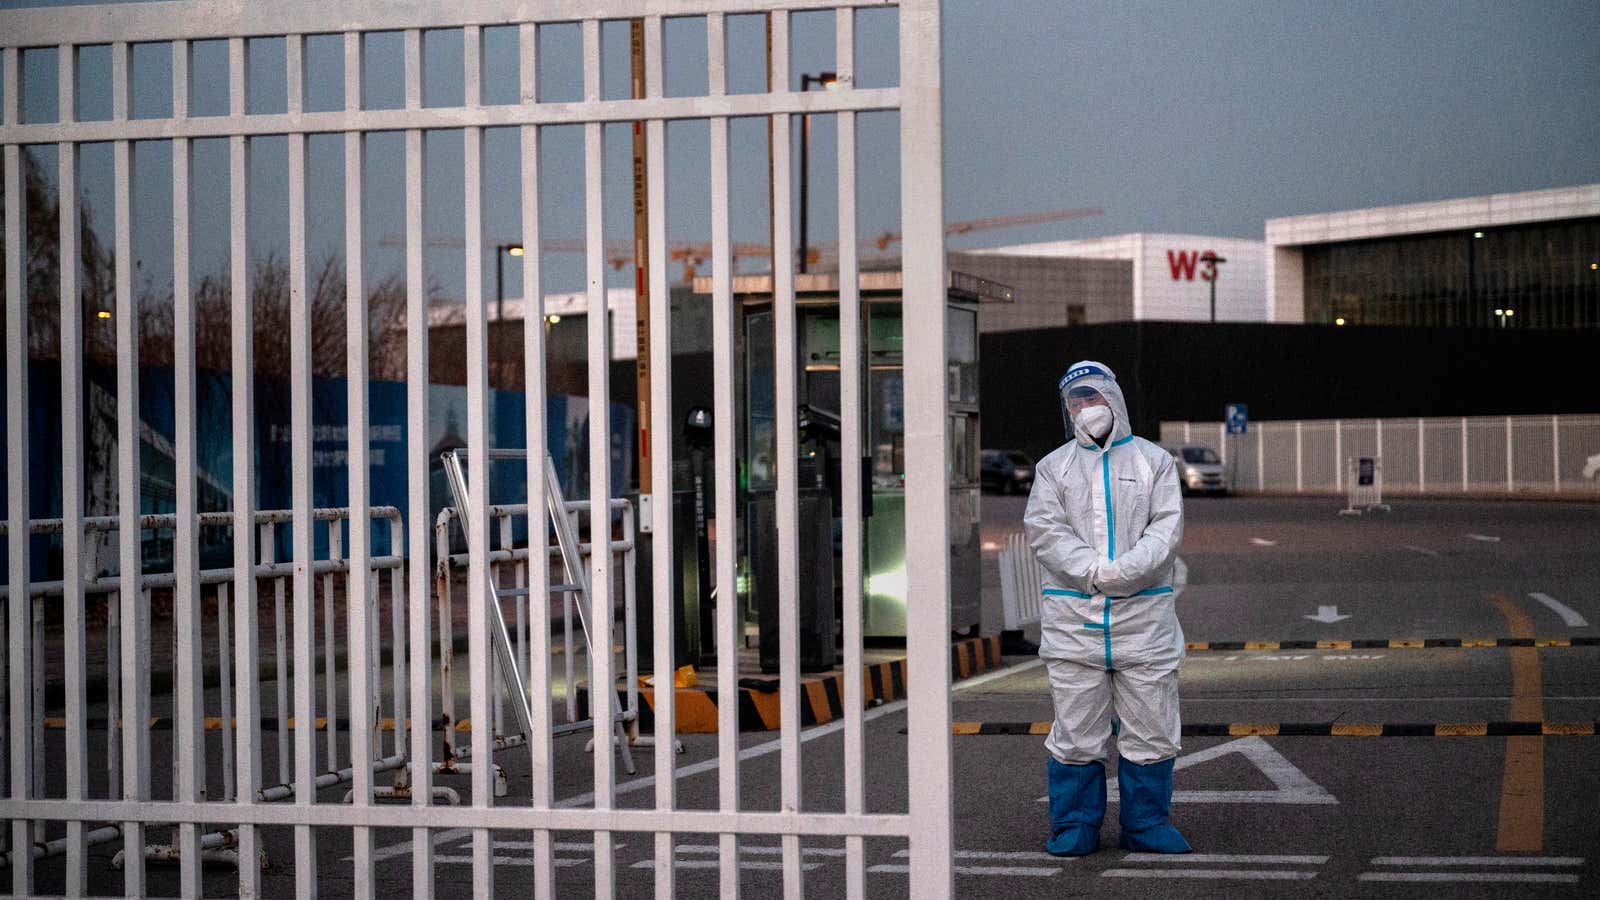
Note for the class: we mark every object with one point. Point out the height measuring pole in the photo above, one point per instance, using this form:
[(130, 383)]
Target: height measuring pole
[(641, 280)]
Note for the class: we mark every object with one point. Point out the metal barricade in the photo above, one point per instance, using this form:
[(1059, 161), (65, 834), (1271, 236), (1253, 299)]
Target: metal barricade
[(1021, 583), (334, 567)]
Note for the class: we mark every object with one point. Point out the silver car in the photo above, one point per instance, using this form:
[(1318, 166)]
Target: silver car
[(1200, 470)]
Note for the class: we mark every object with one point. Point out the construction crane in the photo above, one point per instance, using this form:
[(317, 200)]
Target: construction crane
[(883, 241), (693, 254)]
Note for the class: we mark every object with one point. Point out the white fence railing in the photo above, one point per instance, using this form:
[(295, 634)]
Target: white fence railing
[(1511, 455), (190, 34)]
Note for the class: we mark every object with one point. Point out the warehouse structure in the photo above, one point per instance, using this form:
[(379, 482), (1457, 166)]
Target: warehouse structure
[(1523, 260)]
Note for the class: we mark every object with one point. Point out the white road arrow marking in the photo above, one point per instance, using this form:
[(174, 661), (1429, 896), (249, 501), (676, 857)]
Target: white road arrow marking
[(1486, 538), (1290, 784), (1567, 613), (1263, 542), (1327, 615)]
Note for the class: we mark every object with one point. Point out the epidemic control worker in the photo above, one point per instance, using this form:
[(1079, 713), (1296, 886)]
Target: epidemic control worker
[(1105, 518)]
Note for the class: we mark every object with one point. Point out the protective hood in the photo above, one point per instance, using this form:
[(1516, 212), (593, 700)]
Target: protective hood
[(1098, 376)]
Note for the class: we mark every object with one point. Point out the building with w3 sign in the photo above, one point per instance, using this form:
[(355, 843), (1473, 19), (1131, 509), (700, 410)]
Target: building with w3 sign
[(1123, 278), (1522, 260)]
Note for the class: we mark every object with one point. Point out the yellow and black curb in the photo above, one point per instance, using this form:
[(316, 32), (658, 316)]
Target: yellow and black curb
[(1320, 729), (1393, 643), (821, 695)]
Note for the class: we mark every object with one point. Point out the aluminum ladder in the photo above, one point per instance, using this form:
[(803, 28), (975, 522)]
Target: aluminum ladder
[(572, 559)]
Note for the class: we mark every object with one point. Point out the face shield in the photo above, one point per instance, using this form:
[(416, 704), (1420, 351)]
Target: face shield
[(1078, 399)]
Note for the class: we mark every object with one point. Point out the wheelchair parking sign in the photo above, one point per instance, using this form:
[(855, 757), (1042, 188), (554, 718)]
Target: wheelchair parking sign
[(1237, 417)]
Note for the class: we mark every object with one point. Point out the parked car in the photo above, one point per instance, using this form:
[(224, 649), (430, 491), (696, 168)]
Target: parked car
[(1007, 471), (1200, 470)]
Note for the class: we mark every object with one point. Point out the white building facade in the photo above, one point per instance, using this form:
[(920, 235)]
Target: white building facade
[(1452, 262), (1170, 281)]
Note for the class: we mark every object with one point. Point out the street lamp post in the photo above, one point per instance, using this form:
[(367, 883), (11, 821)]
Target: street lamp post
[(829, 81), (1212, 260), (500, 277)]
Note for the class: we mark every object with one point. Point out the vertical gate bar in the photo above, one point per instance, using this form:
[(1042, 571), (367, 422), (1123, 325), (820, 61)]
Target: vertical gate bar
[(494, 578), (417, 501), (330, 661), (850, 451), (1511, 484), (724, 460), (280, 637), (134, 672), (447, 692), (72, 543), (358, 595), (113, 693), (247, 636), (1261, 462), (927, 448), (534, 411), (1463, 454), (10, 71), (305, 668), (225, 689), (785, 406), (660, 455), (190, 736), (1299, 458), (400, 662), (1555, 453), (19, 702), (602, 690), (475, 521)]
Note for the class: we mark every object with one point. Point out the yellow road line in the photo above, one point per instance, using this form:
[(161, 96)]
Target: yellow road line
[(1522, 786)]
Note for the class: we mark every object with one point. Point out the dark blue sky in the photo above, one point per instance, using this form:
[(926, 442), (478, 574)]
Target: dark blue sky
[(1186, 117)]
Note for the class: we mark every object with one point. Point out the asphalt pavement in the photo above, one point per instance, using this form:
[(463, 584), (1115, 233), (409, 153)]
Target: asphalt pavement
[(1268, 813)]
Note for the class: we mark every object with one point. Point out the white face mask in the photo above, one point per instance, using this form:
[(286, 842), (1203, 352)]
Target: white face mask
[(1095, 421)]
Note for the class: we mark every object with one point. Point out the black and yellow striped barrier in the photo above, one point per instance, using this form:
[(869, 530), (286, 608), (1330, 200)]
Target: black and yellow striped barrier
[(821, 695), (1393, 643), (1319, 729)]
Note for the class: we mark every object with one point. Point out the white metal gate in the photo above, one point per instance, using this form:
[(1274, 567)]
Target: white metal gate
[(131, 805)]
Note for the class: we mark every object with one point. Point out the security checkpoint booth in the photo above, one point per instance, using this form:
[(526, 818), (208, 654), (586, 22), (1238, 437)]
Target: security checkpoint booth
[(818, 360), (361, 756)]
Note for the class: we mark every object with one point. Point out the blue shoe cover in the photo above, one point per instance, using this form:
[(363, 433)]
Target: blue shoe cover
[(1077, 807), (1146, 804)]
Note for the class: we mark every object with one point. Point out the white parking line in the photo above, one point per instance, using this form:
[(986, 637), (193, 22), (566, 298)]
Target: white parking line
[(1263, 542), (1498, 877), (558, 862), (1013, 855), (1226, 858), (1019, 871), (403, 848), (1423, 550), (748, 864), (1477, 861), (1486, 538), (774, 850), (1226, 874), (1567, 613)]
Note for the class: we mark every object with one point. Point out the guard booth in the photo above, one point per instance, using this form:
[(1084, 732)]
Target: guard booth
[(817, 359)]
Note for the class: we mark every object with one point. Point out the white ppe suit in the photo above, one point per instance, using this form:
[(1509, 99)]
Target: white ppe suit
[(1105, 523)]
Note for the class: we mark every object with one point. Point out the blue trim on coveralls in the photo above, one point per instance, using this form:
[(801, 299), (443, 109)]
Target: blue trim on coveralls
[(1066, 592), (1111, 545)]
